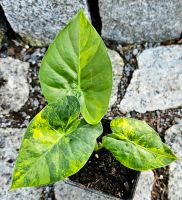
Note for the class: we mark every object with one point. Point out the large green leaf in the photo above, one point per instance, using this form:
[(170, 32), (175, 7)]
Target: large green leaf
[(77, 63), (56, 145), (136, 145)]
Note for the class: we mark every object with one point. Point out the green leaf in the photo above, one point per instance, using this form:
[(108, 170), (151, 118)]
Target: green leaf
[(56, 145), (77, 63), (136, 145)]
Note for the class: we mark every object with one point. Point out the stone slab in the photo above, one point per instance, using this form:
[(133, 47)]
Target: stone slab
[(173, 138), (130, 21), (144, 186), (39, 21), (10, 139), (117, 70), (14, 88), (157, 83), (67, 190)]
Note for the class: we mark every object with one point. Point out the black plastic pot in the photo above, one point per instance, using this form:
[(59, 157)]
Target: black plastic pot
[(99, 195)]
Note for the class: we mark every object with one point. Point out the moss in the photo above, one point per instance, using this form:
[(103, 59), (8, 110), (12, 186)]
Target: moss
[(33, 41), (1, 36)]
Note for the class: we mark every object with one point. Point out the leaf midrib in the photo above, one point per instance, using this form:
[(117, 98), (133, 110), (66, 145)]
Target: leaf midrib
[(79, 70)]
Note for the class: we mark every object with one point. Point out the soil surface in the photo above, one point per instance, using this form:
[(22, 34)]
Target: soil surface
[(103, 172)]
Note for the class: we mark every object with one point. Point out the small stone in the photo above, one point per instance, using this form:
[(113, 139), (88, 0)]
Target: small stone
[(126, 186), (23, 114), (178, 120), (26, 122), (173, 138), (43, 50), (11, 51), (128, 69), (157, 84), (14, 89), (96, 155), (2, 142), (33, 62), (36, 103), (135, 52), (161, 177), (144, 186)]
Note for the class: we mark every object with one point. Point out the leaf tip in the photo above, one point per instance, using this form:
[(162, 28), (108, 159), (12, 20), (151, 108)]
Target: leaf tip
[(81, 14), (12, 187), (176, 158), (81, 11)]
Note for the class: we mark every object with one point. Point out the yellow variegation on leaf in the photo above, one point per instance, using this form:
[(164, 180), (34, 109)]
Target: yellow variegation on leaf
[(53, 145), (136, 145)]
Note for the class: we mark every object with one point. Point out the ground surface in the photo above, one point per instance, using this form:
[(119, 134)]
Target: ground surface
[(147, 85)]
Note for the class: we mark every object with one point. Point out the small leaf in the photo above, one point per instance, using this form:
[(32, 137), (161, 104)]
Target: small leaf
[(56, 145), (136, 145), (77, 63)]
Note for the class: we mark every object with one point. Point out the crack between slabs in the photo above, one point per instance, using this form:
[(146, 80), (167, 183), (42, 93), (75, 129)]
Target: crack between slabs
[(93, 6), (9, 32)]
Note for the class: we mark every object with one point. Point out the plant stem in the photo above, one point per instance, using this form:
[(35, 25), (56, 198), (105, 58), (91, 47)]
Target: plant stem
[(98, 146)]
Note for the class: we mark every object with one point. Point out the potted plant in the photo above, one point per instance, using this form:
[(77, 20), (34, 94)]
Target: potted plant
[(76, 80)]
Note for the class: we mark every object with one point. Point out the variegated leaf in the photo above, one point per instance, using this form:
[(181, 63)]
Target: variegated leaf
[(136, 145), (56, 145)]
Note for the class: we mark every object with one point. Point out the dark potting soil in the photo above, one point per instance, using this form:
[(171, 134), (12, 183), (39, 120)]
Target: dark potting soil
[(103, 172)]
